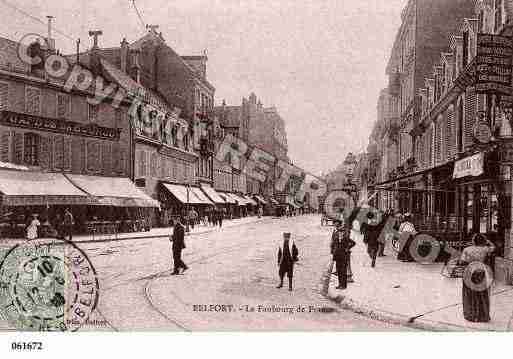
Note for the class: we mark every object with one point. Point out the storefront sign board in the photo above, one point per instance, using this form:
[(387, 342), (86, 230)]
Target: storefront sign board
[(469, 166)]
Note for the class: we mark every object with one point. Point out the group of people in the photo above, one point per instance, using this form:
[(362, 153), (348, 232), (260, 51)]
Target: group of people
[(60, 227)]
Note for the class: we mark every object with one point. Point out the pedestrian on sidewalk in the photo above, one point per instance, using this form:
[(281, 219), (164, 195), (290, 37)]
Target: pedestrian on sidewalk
[(178, 240), (220, 218), (33, 227), (408, 228), (67, 224), (371, 231), (476, 294), (287, 256), (341, 245)]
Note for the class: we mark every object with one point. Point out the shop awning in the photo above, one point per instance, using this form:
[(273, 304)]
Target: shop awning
[(29, 188), (240, 199), (228, 199), (212, 194), (113, 191), (201, 196), (250, 201), (273, 201), (260, 199)]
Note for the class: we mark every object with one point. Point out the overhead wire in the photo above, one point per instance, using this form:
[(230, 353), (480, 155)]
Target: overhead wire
[(143, 24), (35, 18)]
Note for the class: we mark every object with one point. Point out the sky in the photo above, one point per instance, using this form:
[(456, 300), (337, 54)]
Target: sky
[(320, 62)]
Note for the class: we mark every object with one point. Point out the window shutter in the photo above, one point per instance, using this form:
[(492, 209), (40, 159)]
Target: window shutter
[(45, 153), (63, 105), (106, 158), (470, 115), (18, 148), (58, 153), (4, 96), (33, 100), (93, 156), (451, 134), (78, 155), (5, 143), (67, 154)]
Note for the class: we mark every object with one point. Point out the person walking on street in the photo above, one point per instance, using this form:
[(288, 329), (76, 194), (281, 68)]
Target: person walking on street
[(287, 256), (178, 240), (406, 229), (371, 231), (68, 223), (476, 280), (341, 245), (220, 218)]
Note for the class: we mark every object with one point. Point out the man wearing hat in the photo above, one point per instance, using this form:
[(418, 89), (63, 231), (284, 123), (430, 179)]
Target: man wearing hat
[(287, 256), (341, 245)]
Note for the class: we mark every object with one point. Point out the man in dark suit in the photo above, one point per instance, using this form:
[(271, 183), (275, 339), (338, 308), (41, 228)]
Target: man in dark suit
[(178, 245), (341, 245), (287, 256)]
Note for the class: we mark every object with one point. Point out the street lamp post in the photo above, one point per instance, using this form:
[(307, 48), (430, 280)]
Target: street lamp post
[(187, 228)]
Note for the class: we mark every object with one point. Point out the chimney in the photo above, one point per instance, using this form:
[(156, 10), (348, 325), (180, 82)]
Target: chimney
[(124, 55), (95, 53), (136, 68), (50, 41)]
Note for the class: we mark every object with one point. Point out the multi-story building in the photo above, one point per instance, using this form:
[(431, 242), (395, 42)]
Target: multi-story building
[(78, 151), (173, 122), (456, 178)]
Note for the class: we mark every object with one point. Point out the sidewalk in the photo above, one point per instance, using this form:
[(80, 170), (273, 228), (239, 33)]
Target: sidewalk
[(415, 295), (153, 233)]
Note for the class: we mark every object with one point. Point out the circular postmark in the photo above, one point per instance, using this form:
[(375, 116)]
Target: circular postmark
[(47, 286)]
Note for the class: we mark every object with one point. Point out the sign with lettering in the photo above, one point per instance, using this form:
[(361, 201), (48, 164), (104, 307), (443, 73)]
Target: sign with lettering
[(469, 166), (481, 130), (493, 64), (15, 119)]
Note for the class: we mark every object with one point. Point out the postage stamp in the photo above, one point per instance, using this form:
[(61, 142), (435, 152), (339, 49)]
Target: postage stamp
[(47, 286)]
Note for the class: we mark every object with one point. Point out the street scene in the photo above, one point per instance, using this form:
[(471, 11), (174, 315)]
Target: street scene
[(288, 166)]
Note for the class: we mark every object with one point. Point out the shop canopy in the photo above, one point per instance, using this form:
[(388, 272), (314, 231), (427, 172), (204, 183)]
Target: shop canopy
[(113, 191), (250, 201), (201, 196), (228, 199), (29, 188), (273, 201), (185, 195), (240, 199), (260, 199), (212, 194)]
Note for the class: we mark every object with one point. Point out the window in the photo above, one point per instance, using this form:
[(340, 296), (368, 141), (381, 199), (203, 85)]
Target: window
[(481, 21), (498, 14), (92, 112), (31, 149), (4, 95), (460, 127), (63, 106), (465, 49), (33, 100)]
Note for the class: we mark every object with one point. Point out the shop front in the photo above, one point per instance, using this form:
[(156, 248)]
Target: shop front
[(98, 204), (182, 200)]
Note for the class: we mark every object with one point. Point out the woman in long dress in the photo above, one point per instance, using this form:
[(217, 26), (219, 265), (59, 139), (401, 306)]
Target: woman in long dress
[(476, 297), (33, 227)]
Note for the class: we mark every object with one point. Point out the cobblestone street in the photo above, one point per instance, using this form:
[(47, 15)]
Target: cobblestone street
[(233, 266)]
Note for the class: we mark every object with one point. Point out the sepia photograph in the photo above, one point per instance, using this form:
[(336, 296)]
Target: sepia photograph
[(255, 166)]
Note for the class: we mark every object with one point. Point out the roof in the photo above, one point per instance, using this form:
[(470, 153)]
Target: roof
[(229, 116)]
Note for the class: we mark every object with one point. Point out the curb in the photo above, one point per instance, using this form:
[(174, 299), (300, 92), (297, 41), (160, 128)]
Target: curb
[(346, 303), (150, 236)]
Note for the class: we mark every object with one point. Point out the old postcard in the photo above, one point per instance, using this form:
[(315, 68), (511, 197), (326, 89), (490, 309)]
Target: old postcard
[(249, 166)]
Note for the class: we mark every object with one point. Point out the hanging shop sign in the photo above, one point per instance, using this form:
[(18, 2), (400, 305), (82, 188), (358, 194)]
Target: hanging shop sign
[(506, 152), (469, 166), (481, 131), (493, 64), (15, 119), (505, 172)]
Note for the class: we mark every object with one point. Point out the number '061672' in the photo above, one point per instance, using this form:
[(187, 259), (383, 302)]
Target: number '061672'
[(26, 346)]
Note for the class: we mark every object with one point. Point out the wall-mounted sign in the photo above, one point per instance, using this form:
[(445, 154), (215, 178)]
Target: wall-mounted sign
[(469, 166), (15, 119), (505, 172), (481, 130), (506, 152), (493, 64)]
